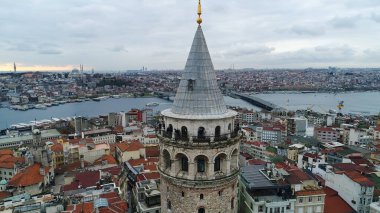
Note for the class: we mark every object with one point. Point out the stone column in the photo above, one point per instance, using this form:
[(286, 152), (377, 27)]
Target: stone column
[(191, 170), (210, 172), (228, 170), (173, 168)]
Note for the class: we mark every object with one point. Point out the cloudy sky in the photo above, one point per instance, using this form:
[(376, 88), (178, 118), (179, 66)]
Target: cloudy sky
[(129, 34)]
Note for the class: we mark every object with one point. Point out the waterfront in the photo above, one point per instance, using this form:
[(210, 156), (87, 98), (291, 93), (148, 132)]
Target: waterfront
[(355, 102), (92, 108), (364, 103)]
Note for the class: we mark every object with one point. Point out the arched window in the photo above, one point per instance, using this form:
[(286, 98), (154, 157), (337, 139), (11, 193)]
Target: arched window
[(201, 162), (217, 164), (169, 204), (183, 162), (232, 203), (217, 131), (167, 161), (183, 194), (170, 128), (201, 132), (201, 210), (184, 132), (201, 196), (229, 127)]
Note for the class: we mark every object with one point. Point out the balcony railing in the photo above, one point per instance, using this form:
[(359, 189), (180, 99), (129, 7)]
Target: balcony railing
[(167, 134), (201, 139), (221, 138)]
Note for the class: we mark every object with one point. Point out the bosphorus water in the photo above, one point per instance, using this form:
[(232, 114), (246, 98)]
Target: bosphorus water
[(355, 102)]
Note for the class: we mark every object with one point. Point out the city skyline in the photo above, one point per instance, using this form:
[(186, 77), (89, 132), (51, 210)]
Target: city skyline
[(41, 35)]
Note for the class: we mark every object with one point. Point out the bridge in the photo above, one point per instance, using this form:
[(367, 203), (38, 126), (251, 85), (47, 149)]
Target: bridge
[(256, 101), (165, 95)]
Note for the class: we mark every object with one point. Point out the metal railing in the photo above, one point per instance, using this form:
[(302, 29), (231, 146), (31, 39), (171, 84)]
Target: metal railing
[(167, 134)]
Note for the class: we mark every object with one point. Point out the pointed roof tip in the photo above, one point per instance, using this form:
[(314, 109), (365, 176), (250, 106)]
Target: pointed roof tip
[(198, 92)]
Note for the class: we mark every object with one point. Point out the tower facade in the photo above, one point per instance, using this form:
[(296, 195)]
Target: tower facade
[(199, 143)]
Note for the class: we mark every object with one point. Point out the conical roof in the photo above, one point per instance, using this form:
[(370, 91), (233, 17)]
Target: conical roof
[(198, 92)]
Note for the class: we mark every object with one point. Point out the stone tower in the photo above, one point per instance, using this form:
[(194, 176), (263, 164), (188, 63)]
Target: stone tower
[(199, 143)]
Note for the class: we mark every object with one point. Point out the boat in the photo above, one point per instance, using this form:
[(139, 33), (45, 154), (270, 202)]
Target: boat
[(153, 104), (40, 106), (116, 96)]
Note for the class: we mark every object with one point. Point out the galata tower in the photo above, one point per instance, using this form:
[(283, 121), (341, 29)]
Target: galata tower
[(199, 142)]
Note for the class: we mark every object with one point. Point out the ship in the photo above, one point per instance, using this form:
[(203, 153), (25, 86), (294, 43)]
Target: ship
[(153, 104)]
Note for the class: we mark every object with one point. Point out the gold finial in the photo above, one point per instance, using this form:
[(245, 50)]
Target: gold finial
[(199, 20)]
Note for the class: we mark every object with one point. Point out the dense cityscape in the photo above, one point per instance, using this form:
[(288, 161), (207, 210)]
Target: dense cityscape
[(192, 152)]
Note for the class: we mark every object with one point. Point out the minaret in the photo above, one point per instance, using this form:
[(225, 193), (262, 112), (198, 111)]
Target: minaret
[(199, 146), (14, 67)]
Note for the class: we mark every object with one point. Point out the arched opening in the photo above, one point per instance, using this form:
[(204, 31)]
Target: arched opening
[(220, 163), (234, 160), (182, 162), (169, 131), (167, 164), (177, 134), (184, 133), (201, 210), (159, 128), (229, 127), (217, 131), (201, 196), (232, 203), (202, 163), (201, 132), (169, 205)]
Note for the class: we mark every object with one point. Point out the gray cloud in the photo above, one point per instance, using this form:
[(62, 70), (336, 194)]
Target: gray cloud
[(310, 30), (344, 22), (158, 34)]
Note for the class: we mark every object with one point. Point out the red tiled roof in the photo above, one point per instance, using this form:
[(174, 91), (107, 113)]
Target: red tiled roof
[(130, 147), (115, 203), (9, 161), (312, 155), (116, 170), (80, 208), (152, 176), (359, 178), (152, 151), (310, 192), (109, 158), (246, 155), (5, 194), (256, 162), (324, 129), (6, 152), (333, 202), (29, 176), (57, 147), (83, 180), (147, 161), (351, 167)]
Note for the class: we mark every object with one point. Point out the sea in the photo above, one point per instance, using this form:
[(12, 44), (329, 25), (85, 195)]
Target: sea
[(365, 103)]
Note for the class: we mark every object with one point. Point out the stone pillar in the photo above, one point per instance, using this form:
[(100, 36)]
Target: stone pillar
[(210, 172), (228, 170), (173, 168), (191, 170)]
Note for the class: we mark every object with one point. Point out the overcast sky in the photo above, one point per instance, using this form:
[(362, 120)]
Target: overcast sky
[(129, 34)]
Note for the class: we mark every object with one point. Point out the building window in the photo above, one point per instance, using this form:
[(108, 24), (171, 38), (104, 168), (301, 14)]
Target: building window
[(183, 194), (300, 200), (217, 164), (184, 163), (169, 205), (310, 199), (220, 193), (201, 210), (232, 203), (261, 208), (319, 198), (201, 196)]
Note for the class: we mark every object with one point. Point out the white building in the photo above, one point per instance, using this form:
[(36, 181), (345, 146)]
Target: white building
[(354, 188)]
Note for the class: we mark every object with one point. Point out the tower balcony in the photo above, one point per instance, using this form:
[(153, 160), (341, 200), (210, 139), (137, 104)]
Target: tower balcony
[(200, 141)]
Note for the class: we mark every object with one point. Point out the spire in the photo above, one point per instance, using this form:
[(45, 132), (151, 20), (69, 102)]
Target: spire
[(199, 20), (198, 92)]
